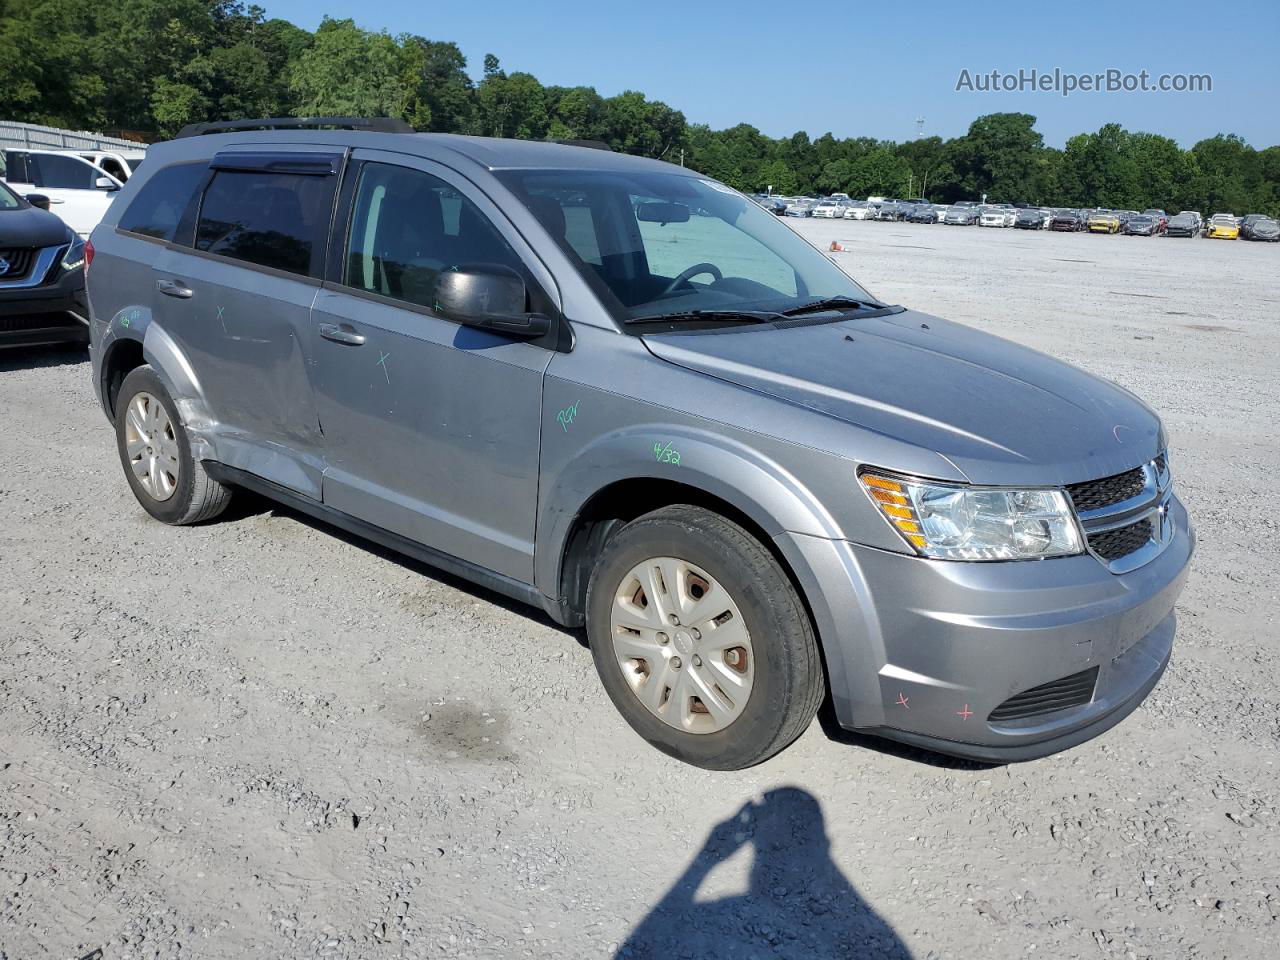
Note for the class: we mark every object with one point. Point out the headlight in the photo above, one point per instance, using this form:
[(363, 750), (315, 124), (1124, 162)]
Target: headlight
[(957, 522), (74, 259)]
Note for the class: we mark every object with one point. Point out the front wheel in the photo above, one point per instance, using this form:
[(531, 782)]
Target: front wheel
[(701, 640)]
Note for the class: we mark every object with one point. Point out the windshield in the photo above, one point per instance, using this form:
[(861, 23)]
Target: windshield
[(8, 199), (654, 244)]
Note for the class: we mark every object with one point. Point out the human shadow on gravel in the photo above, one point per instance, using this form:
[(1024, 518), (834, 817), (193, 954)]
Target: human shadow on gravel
[(799, 904)]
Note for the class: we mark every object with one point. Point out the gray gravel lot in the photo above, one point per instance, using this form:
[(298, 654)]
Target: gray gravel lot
[(260, 738)]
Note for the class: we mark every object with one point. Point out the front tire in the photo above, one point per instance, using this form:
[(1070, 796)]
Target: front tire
[(701, 640), (155, 452)]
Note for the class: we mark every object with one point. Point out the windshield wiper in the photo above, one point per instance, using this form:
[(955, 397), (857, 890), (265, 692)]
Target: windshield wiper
[(830, 303), (754, 316)]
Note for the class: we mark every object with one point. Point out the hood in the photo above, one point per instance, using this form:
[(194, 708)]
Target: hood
[(1001, 413), (31, 227)]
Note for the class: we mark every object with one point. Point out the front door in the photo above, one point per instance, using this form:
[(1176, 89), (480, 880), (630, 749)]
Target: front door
[(431, 429)]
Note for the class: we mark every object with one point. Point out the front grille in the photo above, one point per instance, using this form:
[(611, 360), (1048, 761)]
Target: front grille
[(1111, 545), (18, 262), (1095, 494), (1072, 691)]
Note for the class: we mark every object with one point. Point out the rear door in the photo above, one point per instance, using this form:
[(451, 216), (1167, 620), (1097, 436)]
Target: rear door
[(237, 298), (431, 429)]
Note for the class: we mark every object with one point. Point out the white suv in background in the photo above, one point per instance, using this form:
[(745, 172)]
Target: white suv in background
[(121, 165), (78, 191)]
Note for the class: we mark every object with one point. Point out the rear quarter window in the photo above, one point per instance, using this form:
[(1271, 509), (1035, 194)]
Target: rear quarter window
[(277, 220), (158, 207)]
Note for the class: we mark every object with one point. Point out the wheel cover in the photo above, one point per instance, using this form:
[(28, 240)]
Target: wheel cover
[(151, 446), (682, 645)]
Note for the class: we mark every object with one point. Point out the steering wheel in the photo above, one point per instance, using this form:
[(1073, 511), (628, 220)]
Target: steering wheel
[(687, 275)]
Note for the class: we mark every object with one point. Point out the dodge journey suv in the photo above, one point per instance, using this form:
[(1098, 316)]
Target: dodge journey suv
[(622, 392)]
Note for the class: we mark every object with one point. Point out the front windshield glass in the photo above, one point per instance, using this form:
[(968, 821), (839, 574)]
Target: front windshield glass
[(8, 199), (653, 244)]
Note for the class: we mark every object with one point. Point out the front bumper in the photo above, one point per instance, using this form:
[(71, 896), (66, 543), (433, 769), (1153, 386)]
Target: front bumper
[(923, 651), (55, 312)]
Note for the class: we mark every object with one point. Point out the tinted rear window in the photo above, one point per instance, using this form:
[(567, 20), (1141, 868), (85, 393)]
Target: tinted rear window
[(158, 207), (277, 220)]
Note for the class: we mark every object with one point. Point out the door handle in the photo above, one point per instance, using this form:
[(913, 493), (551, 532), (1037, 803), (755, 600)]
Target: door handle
[(172, 288), (341, 334)]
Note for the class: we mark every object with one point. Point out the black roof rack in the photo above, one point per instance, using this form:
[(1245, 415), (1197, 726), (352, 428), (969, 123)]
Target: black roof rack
[(370, 124), (591, 144)]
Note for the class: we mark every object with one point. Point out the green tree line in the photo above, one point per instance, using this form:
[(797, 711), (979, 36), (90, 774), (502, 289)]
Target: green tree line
[(151, 66)]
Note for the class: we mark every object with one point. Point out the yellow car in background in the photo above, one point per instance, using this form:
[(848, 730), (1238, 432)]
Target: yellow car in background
[(1223, 226), (1103, 221)]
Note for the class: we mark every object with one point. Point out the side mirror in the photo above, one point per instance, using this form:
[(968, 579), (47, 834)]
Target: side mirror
[(105, 183), (488, 297), (38, 200)]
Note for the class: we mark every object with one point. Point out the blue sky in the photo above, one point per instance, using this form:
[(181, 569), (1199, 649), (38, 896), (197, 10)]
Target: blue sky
[(859, 69)]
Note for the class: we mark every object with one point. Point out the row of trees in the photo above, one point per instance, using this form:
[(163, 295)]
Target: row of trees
[(154, 65)]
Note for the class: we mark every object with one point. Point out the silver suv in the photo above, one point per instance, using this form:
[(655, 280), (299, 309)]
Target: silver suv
[(623, 393)]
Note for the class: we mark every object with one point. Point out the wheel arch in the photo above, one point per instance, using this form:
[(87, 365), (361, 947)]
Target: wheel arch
[(607, 486)]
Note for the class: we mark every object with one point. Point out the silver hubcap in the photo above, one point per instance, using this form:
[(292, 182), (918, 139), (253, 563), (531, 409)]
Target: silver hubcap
[(152, 446), (682, 645)]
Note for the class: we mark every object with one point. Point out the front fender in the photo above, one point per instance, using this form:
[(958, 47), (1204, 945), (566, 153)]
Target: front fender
[(712, 460)]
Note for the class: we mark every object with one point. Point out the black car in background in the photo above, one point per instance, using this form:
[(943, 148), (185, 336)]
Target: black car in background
[(1031, 218), (889, 210), (1258, 226), (42, 260), (1183, 225), (922, 213), (1067, 220)]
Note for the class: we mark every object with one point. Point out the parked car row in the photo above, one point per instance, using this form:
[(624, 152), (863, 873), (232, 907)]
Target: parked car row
[(77, 185), (49, 202), (1151, 222)]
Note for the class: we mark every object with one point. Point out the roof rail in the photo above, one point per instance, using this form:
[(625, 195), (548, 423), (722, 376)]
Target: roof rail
[(370, 124), (590, 144)]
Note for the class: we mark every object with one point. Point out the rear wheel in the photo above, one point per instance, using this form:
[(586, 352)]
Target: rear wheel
[(701, 641), (156, 454)]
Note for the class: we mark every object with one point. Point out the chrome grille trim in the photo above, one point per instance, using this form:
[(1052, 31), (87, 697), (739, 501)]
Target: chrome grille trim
[(1152, 504)]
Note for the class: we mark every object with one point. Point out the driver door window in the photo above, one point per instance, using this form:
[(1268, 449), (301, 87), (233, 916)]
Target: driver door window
[(407, 227)]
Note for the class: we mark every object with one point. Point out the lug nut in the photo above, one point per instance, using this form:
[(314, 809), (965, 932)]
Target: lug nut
[(675, 663), (663, 638), (697, 634), (675, 621), (732, 657), (697, 660)]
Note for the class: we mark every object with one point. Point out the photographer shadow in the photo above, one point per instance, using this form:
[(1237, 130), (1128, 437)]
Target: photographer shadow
[(799, 904)]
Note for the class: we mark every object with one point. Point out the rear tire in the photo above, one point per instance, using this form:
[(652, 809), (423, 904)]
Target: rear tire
[(760, 691), (155, 452)]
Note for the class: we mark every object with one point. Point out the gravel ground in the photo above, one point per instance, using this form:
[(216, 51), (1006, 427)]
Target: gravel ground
[(262, 738)]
